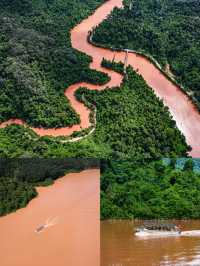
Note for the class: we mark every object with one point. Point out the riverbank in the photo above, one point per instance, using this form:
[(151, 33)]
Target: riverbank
[(72, 203), (149, 57), (184, 113), (19, 178)]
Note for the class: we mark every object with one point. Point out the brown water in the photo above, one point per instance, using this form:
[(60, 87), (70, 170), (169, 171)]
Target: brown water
[(119, 246), (72, 203), (181, 108)]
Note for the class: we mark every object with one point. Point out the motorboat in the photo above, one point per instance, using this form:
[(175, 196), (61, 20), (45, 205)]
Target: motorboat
[(158, 229), (50, 222), (40, 229)]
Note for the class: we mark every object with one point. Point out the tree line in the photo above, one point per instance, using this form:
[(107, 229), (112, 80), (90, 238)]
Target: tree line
[(132, 122), (19, 177), (155, 190), (167, 30), (37, 62)]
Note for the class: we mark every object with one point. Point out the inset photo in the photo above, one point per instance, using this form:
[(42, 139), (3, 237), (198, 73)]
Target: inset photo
[(49, 212), (150, 212)]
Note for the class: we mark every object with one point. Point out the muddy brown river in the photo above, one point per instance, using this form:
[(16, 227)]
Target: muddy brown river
[(71, 208), (119, 246), (181, 108)]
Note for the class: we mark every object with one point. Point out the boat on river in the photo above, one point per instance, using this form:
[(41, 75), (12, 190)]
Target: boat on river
[(40, 229), (158, 229), (49, 222)]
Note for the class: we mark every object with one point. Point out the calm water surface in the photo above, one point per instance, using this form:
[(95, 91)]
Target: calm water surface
[(72, 206), (119, 246)]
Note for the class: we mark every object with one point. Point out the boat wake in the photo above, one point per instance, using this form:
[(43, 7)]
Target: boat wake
[(191, 233), (157, 234), (49, 222)]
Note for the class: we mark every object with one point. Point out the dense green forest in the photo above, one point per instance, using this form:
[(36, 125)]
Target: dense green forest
[(167, 30), (19, 177), (37, 62), (131, 122), (148, 191)]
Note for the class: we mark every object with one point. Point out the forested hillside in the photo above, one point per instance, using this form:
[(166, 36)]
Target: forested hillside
[(18, 178), (167, 30), (131, 122), (37, 62), (156, 190)]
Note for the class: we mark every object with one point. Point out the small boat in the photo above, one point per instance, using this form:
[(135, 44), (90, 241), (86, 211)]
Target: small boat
[(40, 229), (158, 229), (50, 222)]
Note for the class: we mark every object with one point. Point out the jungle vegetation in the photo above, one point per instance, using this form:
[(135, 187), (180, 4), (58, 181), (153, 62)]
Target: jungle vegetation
[(19, 177), (131, 122), (167, 30), (153, 190), (37, 62)]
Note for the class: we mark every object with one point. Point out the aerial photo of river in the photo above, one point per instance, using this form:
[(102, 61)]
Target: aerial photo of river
[(184, 113), (59, 227)]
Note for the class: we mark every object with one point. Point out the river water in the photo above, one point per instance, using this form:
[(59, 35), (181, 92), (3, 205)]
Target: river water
[(181, 108), (72, 205), (119, 246)]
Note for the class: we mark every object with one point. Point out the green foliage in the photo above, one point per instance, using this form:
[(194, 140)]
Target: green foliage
[(134, 122), (148, 191), (189, 165), (17, 141), (131, 122), (118, 67), (18, 6), (18, 178), (36, 55), (37, 62), (14, 194), (167, 30)]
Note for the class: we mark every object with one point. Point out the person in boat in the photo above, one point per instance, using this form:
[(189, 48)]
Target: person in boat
[(159, 227)]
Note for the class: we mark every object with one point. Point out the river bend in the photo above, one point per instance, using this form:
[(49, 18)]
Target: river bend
[(181, 108)]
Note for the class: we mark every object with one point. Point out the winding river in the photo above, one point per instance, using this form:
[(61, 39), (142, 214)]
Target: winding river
[(70, 208), (181, 108)]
